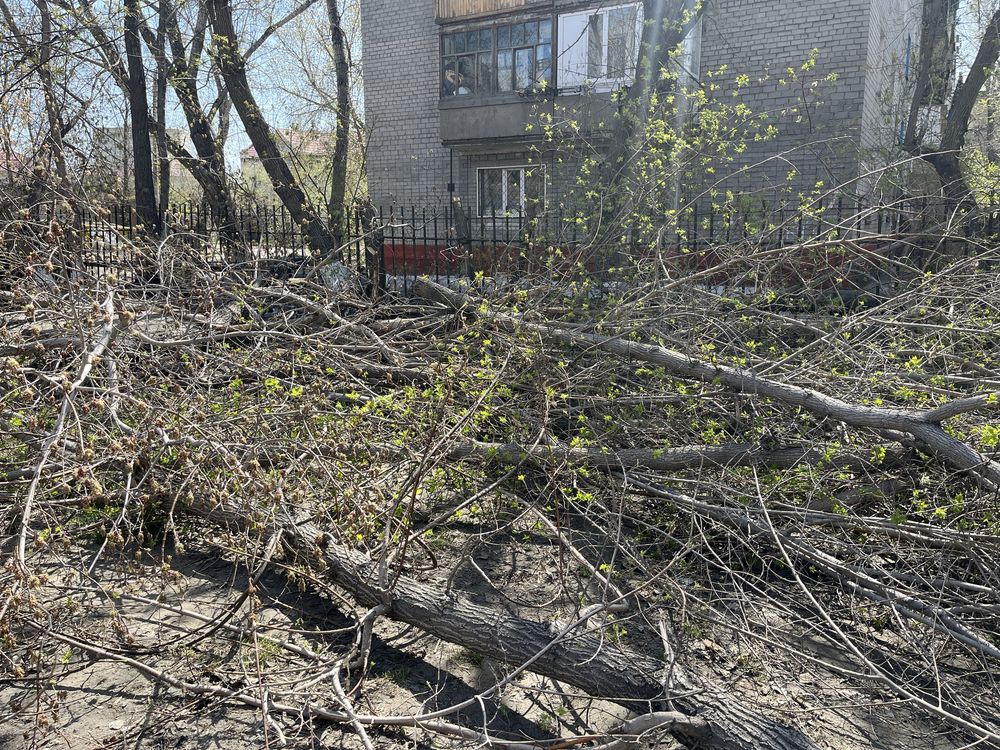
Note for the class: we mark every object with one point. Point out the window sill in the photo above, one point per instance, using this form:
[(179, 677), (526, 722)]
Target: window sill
[(461, 102)]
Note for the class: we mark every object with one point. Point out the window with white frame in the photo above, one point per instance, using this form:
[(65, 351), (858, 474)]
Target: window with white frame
[(506, 191), (599, 48)]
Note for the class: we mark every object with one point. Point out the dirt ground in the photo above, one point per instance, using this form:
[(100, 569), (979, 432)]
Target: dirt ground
[(169, 619)]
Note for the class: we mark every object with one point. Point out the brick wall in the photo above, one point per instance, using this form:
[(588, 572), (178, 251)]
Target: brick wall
[(823, 131), (406, 162), (819, 126)]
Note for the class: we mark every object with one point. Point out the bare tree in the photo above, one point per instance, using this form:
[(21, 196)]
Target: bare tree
[(232, 66), (142, 148), (338, 177), (946, 157)]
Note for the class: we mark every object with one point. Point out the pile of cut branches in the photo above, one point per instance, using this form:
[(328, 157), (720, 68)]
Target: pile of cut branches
[(716, 498)]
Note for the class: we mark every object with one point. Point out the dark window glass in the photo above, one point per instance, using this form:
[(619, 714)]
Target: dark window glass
[(467, 75), (595, 46), (449, 76), (517, 58), (534, 187), (490, 192), (510, 190), (621, 41), (485, 76), (543, 65), (459, 76), (515, 179), (545, 31), (505, 70), (517, 35), (524, 68)]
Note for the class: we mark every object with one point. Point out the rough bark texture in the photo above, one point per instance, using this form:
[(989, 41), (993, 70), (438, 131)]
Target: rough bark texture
[(586, 661), (233, 68), (160, 100), (142, 151), (669, 459), (338, 175), (687, 457), (184, 68), (946, 157)]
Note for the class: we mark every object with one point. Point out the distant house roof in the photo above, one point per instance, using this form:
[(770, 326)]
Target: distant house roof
[(297, 143)]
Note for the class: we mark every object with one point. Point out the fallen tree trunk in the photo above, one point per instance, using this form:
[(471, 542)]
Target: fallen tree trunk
[(589, 662), (670, 459), (924, 426)]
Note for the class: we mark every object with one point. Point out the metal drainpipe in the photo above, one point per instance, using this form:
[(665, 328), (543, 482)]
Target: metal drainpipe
[(451, 176)]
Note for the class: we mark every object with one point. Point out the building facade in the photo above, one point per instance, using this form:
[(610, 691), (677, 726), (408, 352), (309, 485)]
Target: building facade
[(455, 91)]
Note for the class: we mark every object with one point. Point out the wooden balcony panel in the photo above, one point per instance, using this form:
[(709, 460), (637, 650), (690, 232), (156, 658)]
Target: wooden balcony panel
[(449, 10)]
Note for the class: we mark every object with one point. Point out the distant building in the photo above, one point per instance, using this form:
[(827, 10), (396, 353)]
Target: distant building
[(109, 164), (452, 86), (309, 153)]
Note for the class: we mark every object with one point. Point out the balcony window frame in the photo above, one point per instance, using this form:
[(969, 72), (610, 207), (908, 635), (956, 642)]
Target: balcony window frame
[(567, 41), (533, 39)]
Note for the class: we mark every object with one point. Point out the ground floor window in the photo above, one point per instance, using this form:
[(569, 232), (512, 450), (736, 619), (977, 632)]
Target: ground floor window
[(505, 191)]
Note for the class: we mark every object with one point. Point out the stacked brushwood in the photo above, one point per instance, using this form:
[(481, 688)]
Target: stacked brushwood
[(705, 457)]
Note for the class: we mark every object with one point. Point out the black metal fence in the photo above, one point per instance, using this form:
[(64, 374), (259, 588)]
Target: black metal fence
[(393, 245)]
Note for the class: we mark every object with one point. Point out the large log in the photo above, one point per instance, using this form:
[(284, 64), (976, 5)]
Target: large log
[(586, 661)]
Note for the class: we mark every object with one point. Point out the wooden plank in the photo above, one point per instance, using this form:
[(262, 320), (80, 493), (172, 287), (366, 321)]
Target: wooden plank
[(452, 9)]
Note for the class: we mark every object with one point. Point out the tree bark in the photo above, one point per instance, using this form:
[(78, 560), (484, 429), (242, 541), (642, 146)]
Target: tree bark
[(142, 152), (667, 23), (586, 661), (184, 80), (946, 157), (338, 173), (681, 458), (232, 66), (160, 105)]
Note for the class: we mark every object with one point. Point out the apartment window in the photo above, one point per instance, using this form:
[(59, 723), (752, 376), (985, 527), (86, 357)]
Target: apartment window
[(524, 56), (506, 191), (467, 63), (599, 48), (507, 58)]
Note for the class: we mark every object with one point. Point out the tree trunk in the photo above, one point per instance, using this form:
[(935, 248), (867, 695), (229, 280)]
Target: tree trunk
[(946, 157), (338, 174), (586, 661), (664, 29), (211, 172), (232, 66), (142, 152), (160, 105)]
